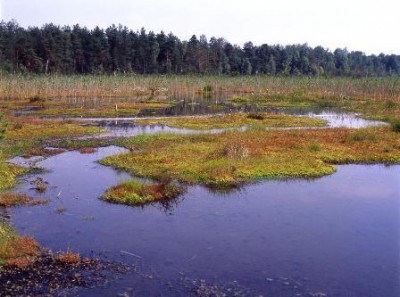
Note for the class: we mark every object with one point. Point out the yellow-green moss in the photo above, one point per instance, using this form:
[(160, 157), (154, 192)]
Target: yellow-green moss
[(45, 129), (8, 174), (234, 157), (135, 193), (235, 120)]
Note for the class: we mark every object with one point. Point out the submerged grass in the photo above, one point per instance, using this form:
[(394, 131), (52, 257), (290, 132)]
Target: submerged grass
[(235, 157), (234, 120)]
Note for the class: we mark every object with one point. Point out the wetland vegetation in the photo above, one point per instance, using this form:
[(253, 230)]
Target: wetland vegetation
[(237, 156), (173, 161), (236, 120), (136, 193)]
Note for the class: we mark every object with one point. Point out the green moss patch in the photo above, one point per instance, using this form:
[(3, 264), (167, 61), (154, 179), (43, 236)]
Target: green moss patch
[(135, 193), (235, 157), (235, 120)]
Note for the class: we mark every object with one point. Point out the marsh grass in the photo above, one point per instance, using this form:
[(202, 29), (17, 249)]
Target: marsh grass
[(361, 135), (315, 146), (236, 150), (16, 251), (299, 88), (103, 110), (390, 104), (8, 174), (44, 152), (31, 128), (234, 120), (87, 150), (255, 154), (135, 193), (67, 258), (9, 199), (379, 97)]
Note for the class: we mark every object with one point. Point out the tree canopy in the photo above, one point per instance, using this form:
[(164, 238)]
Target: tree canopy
[(117, 49)]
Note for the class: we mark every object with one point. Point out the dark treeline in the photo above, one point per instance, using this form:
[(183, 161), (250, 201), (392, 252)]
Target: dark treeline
[(78, 50)]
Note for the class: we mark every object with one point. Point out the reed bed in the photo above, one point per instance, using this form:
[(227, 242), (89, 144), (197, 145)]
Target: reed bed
[(105, 86)]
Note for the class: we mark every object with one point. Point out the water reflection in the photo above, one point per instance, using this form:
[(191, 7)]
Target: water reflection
[(337, 235)]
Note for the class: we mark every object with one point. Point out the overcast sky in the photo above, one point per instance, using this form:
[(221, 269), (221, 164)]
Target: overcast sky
[(366, 25)]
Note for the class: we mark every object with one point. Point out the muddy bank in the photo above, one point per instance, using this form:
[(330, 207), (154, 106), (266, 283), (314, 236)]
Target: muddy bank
[(48, 276)]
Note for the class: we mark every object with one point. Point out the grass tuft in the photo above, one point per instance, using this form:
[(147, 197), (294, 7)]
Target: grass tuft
[(135, 193), (361, 135), (236, 150), (68, 258), (390, 104), (314, 146), (87, 150)]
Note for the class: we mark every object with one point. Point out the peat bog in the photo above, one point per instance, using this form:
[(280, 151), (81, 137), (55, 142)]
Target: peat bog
[(278, 188)]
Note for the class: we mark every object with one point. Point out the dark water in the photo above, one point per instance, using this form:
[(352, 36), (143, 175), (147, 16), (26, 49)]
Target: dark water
[(338, 235)]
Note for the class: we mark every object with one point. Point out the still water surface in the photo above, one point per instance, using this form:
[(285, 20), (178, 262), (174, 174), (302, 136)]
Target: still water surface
[(337, 235)]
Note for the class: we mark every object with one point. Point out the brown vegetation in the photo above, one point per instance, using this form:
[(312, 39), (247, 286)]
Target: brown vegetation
[(135, 193), (68, 258), (44, 152), (87, 150), (10, 199), (18, 251)]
